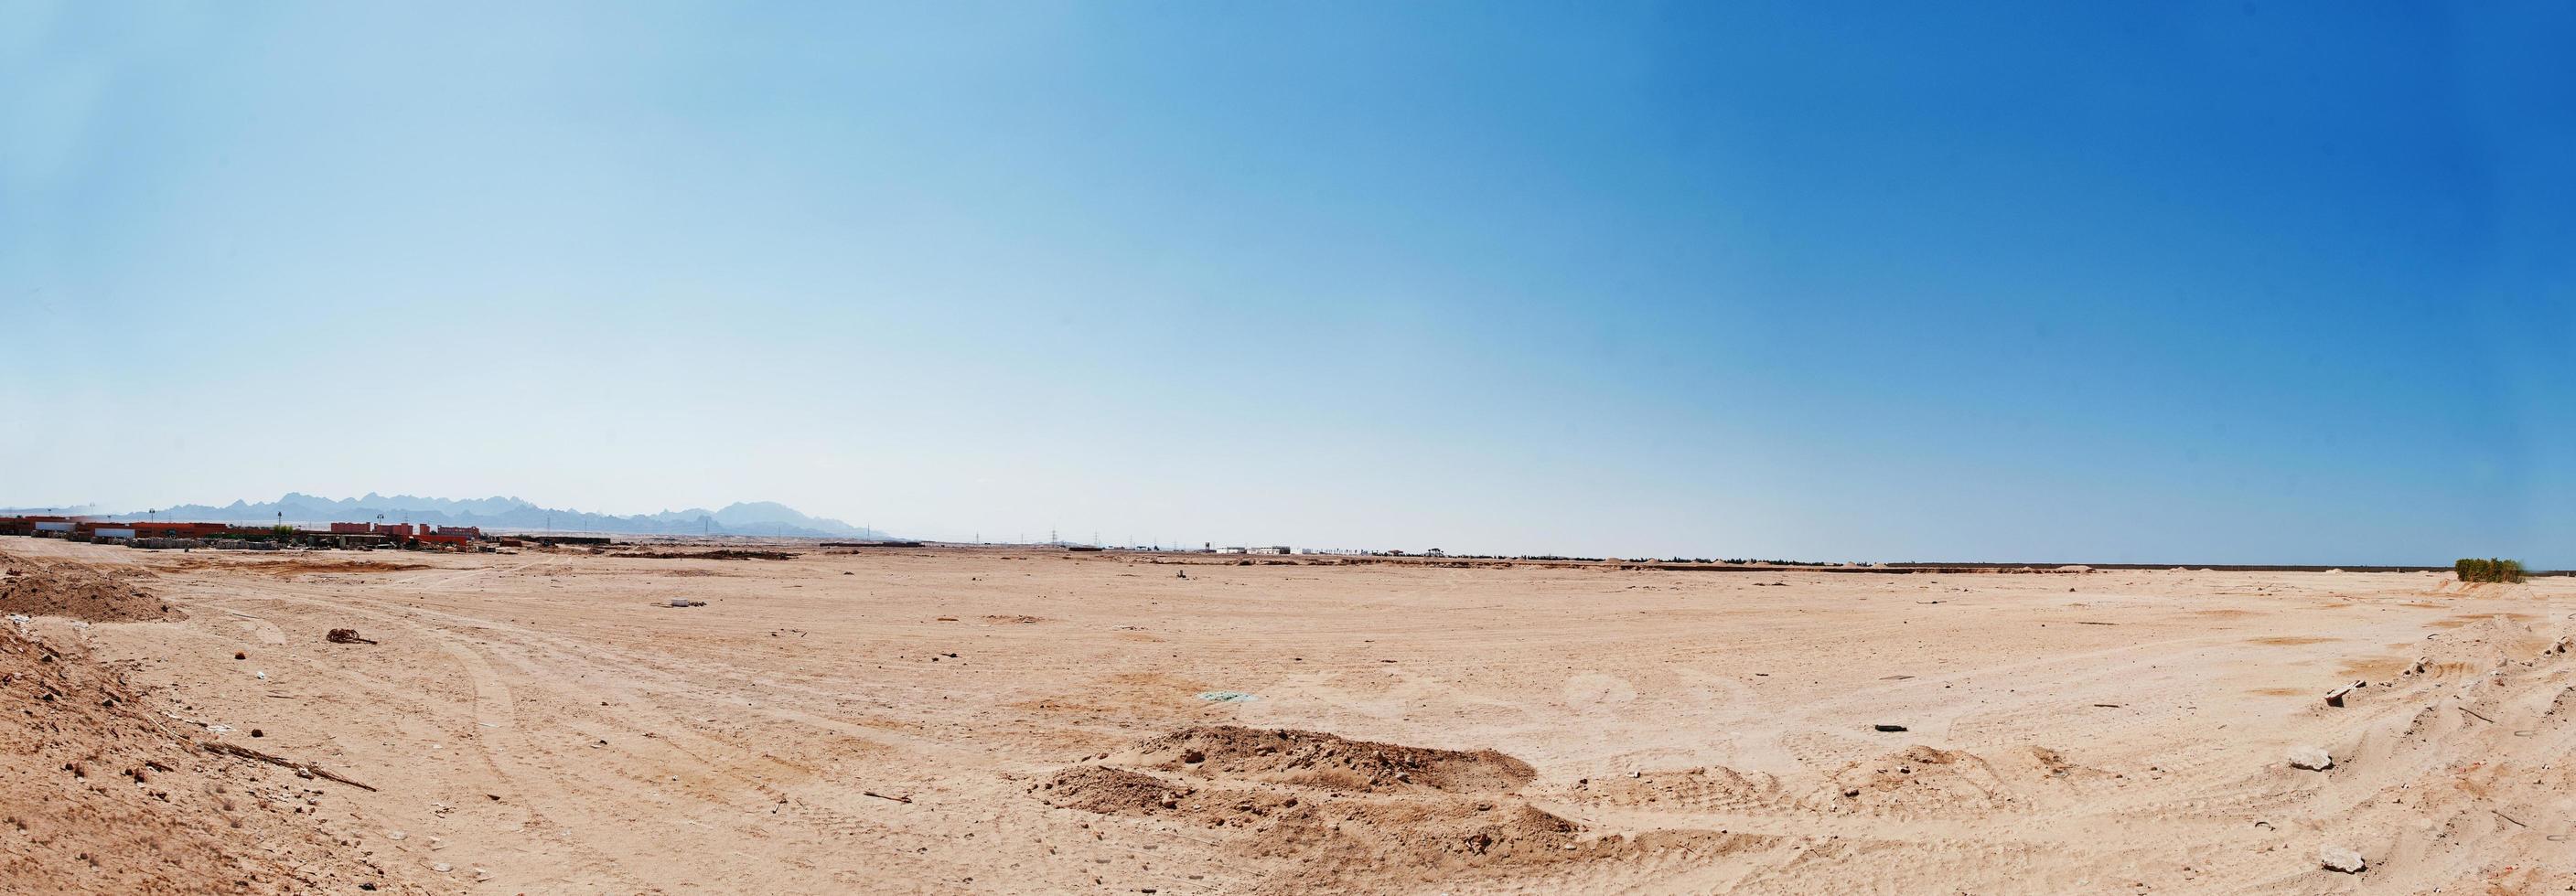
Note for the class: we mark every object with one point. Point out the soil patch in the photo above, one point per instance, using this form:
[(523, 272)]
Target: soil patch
[(301, 567), (1315, 759), (78, 592), (103, 796)]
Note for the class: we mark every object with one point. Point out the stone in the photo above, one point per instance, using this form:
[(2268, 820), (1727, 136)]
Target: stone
[(2341, 858), (2310, 758)]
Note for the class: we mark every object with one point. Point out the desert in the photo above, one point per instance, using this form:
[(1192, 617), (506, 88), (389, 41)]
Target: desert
[(1026, 719)]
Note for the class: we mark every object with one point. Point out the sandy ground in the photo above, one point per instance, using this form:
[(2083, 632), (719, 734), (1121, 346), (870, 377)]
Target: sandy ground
[(1032, 722)]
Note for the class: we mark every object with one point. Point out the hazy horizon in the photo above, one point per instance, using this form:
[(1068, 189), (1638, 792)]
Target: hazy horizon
[(2215, 283)]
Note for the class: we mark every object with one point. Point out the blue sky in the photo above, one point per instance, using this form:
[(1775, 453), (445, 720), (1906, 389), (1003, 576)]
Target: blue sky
[(2241, 282)]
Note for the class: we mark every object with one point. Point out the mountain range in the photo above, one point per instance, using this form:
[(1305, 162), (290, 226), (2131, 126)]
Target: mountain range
[(743, 518)]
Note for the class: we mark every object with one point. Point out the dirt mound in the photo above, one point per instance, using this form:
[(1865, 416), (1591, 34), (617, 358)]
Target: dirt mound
[(1921, 779), (1331, 814), (1314, 759), (2481, 645), (1111, 791), (98, 795), (79, 592), (1704, 789)]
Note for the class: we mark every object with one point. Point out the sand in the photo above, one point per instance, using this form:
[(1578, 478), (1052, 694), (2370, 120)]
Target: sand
[(1032, 721)]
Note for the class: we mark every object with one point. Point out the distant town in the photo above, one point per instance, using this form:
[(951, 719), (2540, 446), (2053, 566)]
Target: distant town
[(166, 535)]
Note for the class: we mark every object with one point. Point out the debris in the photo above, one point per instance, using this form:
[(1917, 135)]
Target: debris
[(2310, 758), (2335, 697), (2341, 858), (1887, 727), (302, 769), (685, 602), (1227, 697), (899, 799), (346, 636)]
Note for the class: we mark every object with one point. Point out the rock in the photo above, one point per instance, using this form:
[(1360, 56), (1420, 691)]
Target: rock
[(2341, 858), (2310, 758), (1886, 727)]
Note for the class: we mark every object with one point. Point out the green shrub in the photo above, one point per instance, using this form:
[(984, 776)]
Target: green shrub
[(2471, 569)]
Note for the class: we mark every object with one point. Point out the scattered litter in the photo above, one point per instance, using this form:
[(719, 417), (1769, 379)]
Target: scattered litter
[(346, 636), (899, 799), (263, 675), (1887, 727), (685, 602), (1227, 697)]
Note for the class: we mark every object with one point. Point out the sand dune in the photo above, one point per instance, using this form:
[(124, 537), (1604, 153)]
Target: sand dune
[(1015, 721)]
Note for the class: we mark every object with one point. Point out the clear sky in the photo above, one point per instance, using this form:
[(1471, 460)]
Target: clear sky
[(2234, 282)]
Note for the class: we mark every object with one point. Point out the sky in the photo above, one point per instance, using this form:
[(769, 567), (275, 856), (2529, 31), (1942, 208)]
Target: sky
[(2245, 282)]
